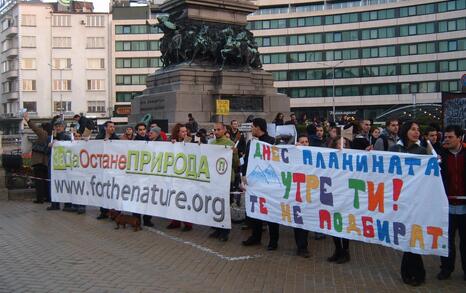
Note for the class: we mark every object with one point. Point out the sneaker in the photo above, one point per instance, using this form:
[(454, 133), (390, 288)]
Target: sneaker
[(443, 275)]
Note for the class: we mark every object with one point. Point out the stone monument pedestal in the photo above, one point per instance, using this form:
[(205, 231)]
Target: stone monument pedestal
[(175, 91), (208, 55)]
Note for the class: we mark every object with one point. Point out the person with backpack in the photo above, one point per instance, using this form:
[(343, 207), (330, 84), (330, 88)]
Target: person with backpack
[(390, 138)]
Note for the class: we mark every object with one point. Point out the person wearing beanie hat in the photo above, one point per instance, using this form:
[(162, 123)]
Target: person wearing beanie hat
[(259, 131), (59, 134), (154, 134)]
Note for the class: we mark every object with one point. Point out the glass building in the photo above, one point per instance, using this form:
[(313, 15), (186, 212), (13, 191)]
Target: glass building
[(367, 56)]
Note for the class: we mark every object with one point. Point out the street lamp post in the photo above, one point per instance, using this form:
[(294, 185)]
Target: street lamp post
[(333, 84)]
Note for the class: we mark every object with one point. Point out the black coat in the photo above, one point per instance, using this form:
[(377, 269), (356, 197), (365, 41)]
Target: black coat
[(84, 123), (102, 136), (265, 138)]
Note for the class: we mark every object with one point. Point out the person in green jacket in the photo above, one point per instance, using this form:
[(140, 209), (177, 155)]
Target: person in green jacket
[(221, 139)]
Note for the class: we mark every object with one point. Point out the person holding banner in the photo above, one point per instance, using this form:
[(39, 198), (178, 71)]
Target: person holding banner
[(180, 134), (301, 235), (259, 131), (453, 169), (60, 135), (341, 254), (108, 134), (412, 266), (141, 134), (221, 139)]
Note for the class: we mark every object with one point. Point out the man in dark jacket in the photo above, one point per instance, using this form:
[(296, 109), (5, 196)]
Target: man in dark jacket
[(141, 131), (259, 131), (141, 134), (453, 167), (107, 134), (317, 140), (85, 125)]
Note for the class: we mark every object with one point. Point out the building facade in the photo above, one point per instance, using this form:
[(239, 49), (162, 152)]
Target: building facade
[(55, 60), (135, 52), (365, 57)]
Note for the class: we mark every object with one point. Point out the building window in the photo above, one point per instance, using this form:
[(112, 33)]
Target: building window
[(95, 20), (95, 84), (95, 43), (61, 42), (30, 106), (28, 63), (279, 75), (131, 79), (7, 23), (449, 86), (9, 65), (61, 20), (136, 29), (28, 41), (29, 85), (63, 106), (10, 86), (95, 63), (123, 97), (137, 45), (138, 62), (61, 85), (96, 106), (28, 20), (61, 63)]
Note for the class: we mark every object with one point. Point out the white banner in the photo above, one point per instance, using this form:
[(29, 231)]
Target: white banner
[(392, 199), (186, 182)]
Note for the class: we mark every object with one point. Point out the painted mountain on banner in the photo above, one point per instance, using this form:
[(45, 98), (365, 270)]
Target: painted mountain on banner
[(268, 175)]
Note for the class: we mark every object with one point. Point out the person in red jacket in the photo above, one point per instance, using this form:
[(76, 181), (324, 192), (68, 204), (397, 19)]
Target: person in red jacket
[(453, 167)]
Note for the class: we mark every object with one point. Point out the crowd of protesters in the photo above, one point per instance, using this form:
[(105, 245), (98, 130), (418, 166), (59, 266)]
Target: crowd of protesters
[(447, 144)]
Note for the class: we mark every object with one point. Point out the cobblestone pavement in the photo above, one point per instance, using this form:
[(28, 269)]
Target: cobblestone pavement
[(55, 251)]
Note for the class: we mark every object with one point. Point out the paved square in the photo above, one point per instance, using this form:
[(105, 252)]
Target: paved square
[(55, 251)]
